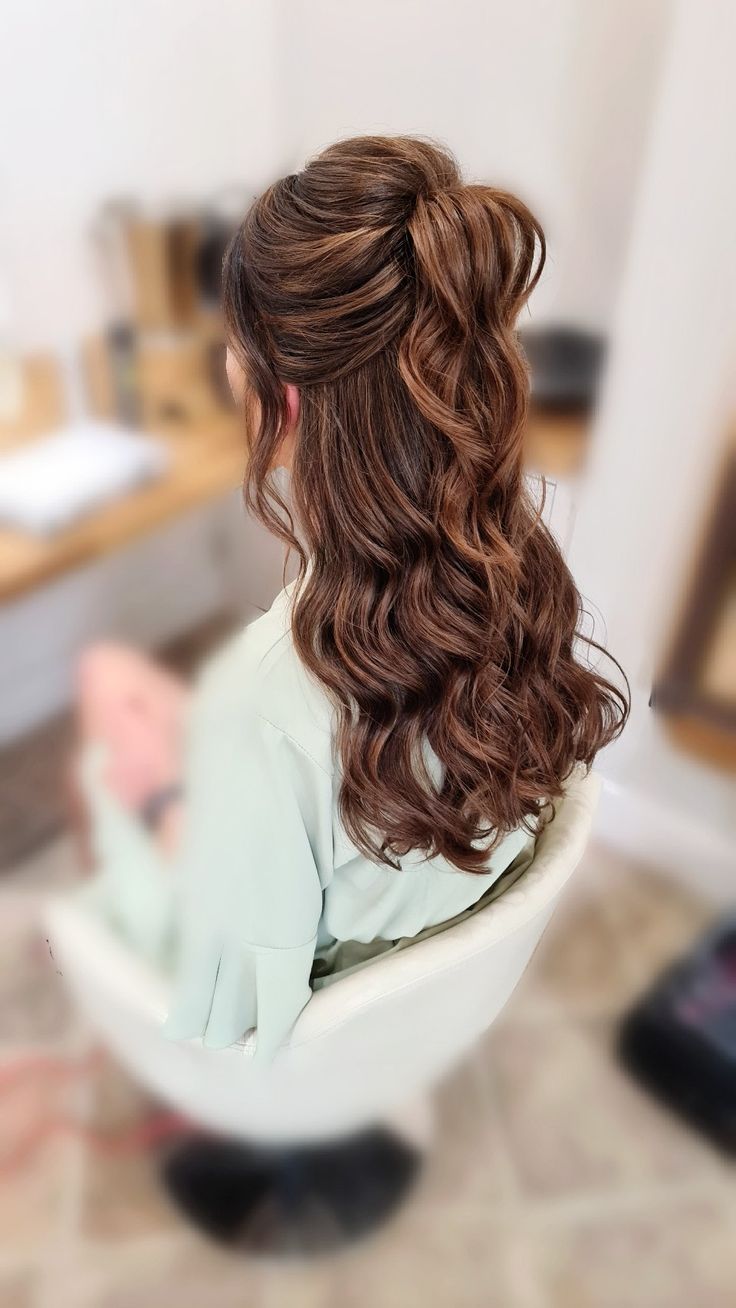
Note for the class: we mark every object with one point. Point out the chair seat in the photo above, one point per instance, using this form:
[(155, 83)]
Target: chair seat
[(364, 1045)]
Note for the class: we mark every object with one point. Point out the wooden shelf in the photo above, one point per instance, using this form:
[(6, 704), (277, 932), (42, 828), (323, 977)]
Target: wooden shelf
[(702, 739), (556, 445)]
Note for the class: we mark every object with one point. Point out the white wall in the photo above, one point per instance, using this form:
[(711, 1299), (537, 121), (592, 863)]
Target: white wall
[(667, 405), (162, 98), (149, 98), (550, 99)]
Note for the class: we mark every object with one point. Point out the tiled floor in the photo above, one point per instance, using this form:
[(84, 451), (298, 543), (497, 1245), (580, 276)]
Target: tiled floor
[(554, 1182)]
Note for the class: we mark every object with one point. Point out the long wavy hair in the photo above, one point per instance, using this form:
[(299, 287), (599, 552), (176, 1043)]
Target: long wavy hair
[(436, 610)]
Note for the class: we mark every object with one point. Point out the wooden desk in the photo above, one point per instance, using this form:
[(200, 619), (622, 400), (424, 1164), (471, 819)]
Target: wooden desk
[(556, 445), (204, 464)]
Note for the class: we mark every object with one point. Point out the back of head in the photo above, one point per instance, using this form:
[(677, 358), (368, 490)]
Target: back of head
[(437, 611)]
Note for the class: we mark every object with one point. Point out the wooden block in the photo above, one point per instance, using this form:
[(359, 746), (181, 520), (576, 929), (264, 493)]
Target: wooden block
[(44, 406), (556, 445), (162, 259)]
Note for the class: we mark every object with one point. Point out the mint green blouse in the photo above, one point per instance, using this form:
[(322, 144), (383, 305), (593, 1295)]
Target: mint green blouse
[(267, 878)]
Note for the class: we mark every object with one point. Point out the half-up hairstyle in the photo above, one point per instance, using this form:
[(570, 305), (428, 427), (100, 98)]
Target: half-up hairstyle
[(436, 610)]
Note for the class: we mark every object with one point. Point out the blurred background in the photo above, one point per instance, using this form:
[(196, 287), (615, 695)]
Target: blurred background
[(134, 136)]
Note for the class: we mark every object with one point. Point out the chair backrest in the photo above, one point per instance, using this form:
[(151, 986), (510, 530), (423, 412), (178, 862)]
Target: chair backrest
[(363, 1045)]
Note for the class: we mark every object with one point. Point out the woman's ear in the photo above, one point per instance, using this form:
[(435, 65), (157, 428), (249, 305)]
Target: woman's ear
[(286, 449), (292, 405), (235, 377)]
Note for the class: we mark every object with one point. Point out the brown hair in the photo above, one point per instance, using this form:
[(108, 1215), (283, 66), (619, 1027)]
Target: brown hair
[(438, 612)]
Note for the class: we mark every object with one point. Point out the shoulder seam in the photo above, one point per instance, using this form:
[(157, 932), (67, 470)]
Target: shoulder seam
[(282, 731)]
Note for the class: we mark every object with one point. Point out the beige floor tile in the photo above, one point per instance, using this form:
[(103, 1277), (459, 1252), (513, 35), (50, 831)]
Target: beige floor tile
[(469, 1156), (617, 927), (667, 1255), (302, 1284), (582, 966), (425, 1258), (32, 1198), (654, 920), (124, 1199), (599, 866), (457, 1257), (17, 1290), (34, 1007), (116, 1102), (180, 1272), (576, 1122)]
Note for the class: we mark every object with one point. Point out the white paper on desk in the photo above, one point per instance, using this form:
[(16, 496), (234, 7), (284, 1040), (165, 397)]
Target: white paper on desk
[(50, 482)]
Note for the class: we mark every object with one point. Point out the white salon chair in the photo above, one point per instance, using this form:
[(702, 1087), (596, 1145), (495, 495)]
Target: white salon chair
[(365, 1051)]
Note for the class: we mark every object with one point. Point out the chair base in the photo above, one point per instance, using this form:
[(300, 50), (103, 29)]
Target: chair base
[(300, 1200)]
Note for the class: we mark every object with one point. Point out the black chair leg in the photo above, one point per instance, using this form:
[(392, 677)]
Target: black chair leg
[(302, 1200)]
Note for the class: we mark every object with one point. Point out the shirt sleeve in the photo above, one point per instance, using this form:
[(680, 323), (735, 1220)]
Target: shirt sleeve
[(245, 893)]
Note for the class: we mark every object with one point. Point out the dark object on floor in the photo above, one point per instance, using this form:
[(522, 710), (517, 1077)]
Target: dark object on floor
[(302, 1200), (680, 1039), (566, 366), (32, 793)]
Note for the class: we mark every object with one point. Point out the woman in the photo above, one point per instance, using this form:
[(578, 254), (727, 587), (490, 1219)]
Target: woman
[(373, 757)]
